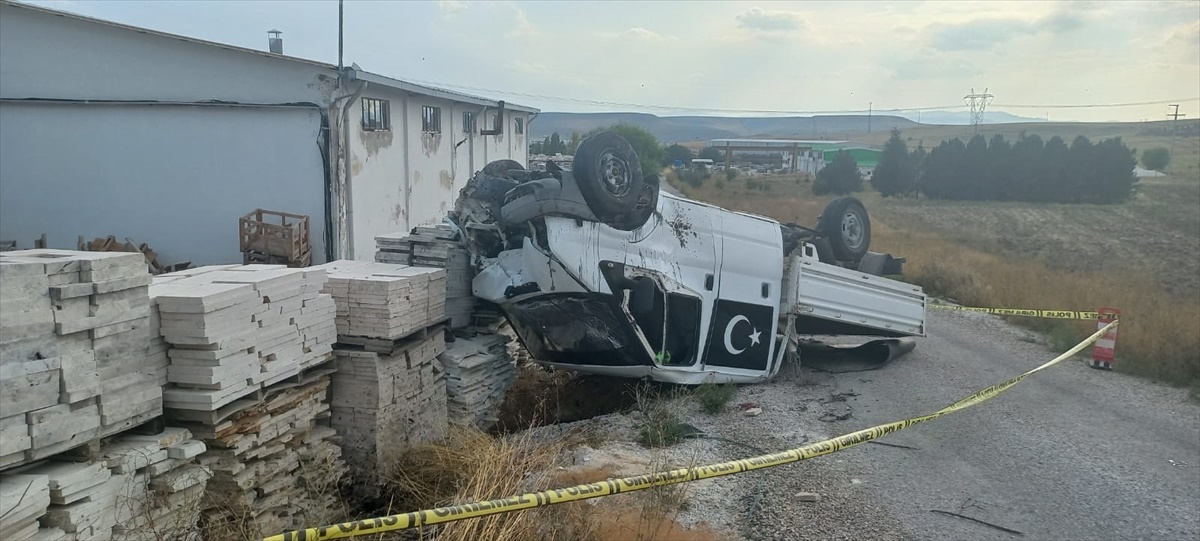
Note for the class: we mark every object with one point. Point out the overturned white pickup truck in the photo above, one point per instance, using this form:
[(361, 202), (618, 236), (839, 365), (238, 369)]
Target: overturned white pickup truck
[(599, 272)]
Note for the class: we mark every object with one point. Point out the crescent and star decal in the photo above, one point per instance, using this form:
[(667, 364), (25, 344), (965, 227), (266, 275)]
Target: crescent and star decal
[(754, 336)]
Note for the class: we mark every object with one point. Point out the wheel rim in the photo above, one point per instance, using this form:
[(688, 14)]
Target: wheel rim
[(615, 174), (852, 230)]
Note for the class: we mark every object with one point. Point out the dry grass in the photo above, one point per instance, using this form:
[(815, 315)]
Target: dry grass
[(1159, 333), (473, 466)]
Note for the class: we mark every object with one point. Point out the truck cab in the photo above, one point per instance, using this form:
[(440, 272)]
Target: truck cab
[(650, 285)]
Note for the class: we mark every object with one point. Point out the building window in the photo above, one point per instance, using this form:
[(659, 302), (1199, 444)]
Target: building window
[(431, 119), (468, 122), (376, 115), (518, 126)]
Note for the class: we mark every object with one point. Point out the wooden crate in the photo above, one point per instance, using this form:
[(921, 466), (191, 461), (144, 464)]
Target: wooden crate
[(279, 236), (249, 258)]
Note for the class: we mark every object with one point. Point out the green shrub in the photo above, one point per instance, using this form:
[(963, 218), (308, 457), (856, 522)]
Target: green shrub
[(713, 398)]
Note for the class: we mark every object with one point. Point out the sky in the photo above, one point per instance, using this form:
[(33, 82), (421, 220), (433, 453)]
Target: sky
[(733, 58)]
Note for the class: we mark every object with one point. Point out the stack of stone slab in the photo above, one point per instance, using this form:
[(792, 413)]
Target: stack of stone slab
[(235, 329), (275, 462), (384, 403), (76, 357), (424, 245), (133, 487), (436, 246), (24, 499), (479, 372), (383, 301)]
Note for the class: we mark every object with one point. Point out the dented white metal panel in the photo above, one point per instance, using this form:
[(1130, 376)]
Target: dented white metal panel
[(848, 296)]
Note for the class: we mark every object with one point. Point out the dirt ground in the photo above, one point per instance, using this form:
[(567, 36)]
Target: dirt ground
[(1158, 233)]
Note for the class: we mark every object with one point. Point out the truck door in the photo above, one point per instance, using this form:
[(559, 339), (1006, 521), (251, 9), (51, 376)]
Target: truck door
[(741, 336), (681, 253)]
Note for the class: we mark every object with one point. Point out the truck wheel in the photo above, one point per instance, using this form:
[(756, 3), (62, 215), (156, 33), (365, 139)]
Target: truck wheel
[(647, 203), (500, 168), (845, 223), (609, 175)]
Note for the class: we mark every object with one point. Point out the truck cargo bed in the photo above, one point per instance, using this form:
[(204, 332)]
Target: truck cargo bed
[(827, 299)]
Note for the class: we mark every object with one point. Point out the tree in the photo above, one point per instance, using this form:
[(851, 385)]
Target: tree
[(973, 173), (555, 145), (1083, 172), (650, 152), (712, 153), (1156, 159), (917, 160), (839, 177), (895, 174), (680, 153), (575, 139), (943, 167), (1113, 164), (1025, 155)]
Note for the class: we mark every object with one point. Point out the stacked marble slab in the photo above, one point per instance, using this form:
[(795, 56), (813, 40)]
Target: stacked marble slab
[(383, 301), (479, 371), (435, 246), (384, 403), (77, 361), (234, 329), (132, 487), (275, 462)]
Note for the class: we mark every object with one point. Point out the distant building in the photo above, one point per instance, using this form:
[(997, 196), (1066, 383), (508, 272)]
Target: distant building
[(866, 158), (108, 129)]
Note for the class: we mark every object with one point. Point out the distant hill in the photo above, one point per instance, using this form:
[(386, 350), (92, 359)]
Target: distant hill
[(959, 118), (670, 129)]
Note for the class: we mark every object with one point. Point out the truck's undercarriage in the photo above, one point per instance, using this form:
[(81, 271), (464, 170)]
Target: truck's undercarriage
[(598, 271)]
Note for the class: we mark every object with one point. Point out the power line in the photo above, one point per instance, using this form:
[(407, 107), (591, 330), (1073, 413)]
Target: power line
[(585, 101), (1092, 105)]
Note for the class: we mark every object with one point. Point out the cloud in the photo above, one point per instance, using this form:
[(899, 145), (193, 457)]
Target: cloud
[(771, 21), (637, 33), (1060, 22), (933, 65), (976, 35), (521, 26), (1185, 40), (450, 8)]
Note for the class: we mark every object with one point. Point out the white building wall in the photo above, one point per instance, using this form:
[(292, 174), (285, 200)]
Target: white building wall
[(438, 166)]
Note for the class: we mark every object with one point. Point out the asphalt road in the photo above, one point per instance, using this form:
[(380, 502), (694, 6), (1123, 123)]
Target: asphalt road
[(1070, 453)]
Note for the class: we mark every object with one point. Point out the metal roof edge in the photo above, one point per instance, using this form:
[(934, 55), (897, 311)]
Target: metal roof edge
[(434, 91)]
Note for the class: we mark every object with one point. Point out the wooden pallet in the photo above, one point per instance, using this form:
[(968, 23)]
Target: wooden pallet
[(387, 347)]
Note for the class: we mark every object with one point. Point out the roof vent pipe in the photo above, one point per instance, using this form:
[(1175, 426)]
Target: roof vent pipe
[(275, 41)]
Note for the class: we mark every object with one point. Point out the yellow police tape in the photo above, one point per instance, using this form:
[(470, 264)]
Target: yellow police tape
[(440, 515), (1052, 314)]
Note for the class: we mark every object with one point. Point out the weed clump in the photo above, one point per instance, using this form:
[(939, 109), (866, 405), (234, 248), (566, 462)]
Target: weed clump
[(713, 398)]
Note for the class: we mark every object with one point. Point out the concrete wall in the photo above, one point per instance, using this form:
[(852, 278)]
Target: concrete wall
[(431, 168), (175, 177)]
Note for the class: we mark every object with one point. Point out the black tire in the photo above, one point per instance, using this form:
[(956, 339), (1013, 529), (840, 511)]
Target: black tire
[(500, 168), (609, 175), (647, 203), (846, 224)]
